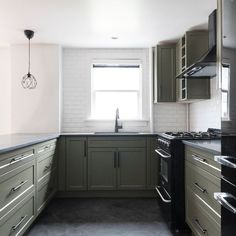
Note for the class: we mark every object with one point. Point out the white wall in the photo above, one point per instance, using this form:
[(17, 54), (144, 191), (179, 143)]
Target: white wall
[(5, 90), (206, 114), (77, 87), (36, 110)]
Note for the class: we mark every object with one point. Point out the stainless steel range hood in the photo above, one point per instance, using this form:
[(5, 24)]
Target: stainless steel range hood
[(205, 67)]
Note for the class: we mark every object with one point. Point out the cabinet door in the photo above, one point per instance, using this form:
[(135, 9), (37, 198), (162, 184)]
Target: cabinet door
[(164, 78), (102, 169), (76, 164), (131, 168)]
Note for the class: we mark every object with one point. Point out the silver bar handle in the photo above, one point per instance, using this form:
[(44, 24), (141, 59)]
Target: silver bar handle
[(159, 152), (44, 149), (221, 198), (19, 223), (162, 198), (199, 159), (200, 188), (199, 226), (224, 160), (19, 186), (20, 158), (46, 168)]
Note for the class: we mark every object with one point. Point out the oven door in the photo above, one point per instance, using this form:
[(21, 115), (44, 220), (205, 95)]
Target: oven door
[(164, 183)]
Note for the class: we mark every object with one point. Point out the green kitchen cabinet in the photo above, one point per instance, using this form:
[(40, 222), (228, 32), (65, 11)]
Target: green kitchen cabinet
[(164, 71), (189, 49), (102, 168), (76, 163), (131, 168)]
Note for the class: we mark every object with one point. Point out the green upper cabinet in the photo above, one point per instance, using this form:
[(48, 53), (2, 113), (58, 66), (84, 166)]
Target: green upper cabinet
[(102, 168), (131, 168), (76, 164), (164, 72), (190, 48)]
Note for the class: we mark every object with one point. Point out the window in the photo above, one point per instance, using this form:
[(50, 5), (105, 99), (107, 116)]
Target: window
[(225, 92), (116, 85)]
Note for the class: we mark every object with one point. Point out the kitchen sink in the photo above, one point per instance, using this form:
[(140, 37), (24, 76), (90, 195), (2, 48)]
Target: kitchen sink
[(114, 133)]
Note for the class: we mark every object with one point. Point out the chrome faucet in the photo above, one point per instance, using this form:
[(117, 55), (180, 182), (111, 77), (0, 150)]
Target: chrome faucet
[(117, 126)]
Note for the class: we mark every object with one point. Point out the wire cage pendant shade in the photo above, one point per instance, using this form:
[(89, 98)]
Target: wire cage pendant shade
[(28, 80)]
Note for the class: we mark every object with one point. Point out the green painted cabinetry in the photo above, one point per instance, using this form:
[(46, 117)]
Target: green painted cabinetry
[(189, 49), (76, 163), (117, 168), (164, 66), (131, 168), (102, 169)]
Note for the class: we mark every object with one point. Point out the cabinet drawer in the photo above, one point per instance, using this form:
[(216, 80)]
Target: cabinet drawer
[(46, 147), (116, 142), (46, 163), (203, 184), (15, 183), (46, 190), (15, 159), (199, 217), (203, 160), (18, 219)]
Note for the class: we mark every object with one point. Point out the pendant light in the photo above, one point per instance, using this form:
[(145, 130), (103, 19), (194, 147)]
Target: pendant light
[(28, 80)]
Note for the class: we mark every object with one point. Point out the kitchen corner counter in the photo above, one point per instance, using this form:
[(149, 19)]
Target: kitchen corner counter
[(95, 134), (211, 146), (10, 142)]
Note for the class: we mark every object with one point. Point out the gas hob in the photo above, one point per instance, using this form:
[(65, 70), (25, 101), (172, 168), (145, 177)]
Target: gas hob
[(209, 134)]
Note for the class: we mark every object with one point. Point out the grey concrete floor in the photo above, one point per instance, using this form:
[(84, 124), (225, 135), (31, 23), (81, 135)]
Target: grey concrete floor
[(100, 217)]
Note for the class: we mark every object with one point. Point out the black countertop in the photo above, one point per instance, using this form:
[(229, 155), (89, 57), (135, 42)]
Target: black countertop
[(211, 146), (11, 142)]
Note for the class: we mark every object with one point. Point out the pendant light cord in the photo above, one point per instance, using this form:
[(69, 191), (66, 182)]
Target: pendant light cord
[(29, 59)]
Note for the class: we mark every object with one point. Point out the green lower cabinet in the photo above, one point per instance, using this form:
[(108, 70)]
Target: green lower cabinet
[(102, 169), (117, 168), (131, 168), (76, 164)]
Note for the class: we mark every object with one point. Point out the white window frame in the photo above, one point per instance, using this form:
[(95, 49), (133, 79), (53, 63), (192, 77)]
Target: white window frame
[(227, 118), (139, 92)]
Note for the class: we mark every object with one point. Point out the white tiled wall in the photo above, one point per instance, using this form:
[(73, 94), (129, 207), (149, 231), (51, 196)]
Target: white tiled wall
[(207, 113), (76, 89), (169, 117)]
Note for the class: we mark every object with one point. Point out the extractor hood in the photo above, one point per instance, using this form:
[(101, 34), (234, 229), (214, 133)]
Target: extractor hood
[(205, 67)]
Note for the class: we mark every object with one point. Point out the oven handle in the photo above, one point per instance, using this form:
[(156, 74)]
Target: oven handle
[(162, 198), (223, 160), (159, 151), (221, 198)]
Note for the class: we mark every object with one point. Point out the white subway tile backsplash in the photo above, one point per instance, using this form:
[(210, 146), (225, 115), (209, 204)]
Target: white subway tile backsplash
[(207, 114)]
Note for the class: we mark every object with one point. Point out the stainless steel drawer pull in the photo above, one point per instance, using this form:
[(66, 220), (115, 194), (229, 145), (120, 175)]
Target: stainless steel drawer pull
[(221, 198), (44, 149), (20, 158), (15, 227), (46, 168), (19, 186), (161, 196), (199, 159), (199, 226), (162, 153), (200, 188)]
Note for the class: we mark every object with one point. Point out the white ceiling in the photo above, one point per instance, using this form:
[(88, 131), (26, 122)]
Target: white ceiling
[(92, 23)]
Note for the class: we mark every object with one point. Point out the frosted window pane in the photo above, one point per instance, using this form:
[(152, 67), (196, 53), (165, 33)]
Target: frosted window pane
[(107, 102), (224, 108), (116, 78), (225, 78)]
